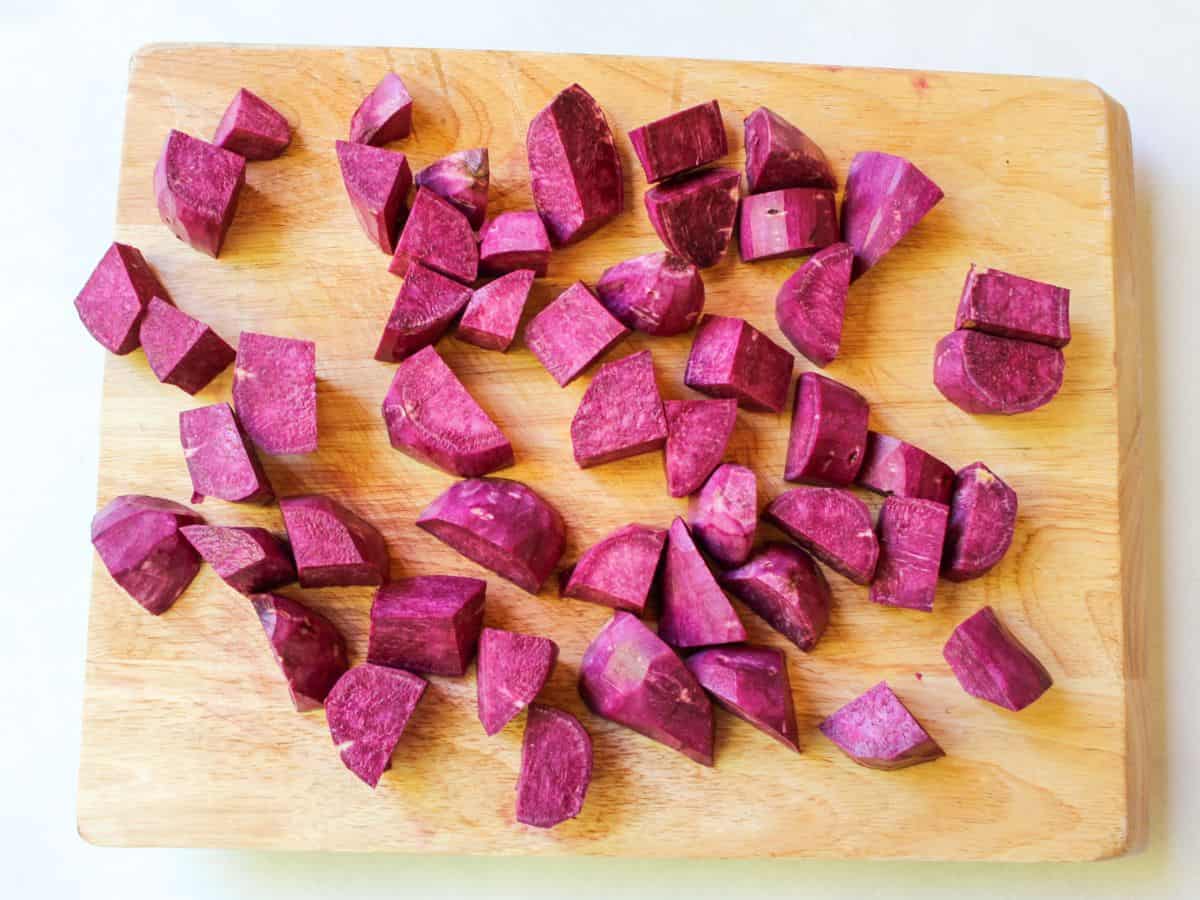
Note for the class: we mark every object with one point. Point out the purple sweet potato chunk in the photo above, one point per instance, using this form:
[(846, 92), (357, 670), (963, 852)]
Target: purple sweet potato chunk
[(829, 432), (892, 466), (572, 332), (463, 178), (430, 623), (512, 670), (831, 524), (680, 142), (196, 186), (811, 305), (308, 647), (140, 543), (621, 413), (114, 300), (377, 182), (181, 350), (697, 433), (629, 676), (1010, 306), (787, 222), (752, 683), (983, 374), (876, 730), (249, 560), (438, 235), (514, 240), (619, 570), (780, 155), (367, 711), (574, 166), (983, 516), (275, 392), (911, 534), (494, 311), (332, 546), (425, 308), (503, 525), (782, 585), (220, 459), (658, 293), (695, 612), (252, 128), (694, 217), (732, 358), (556, 768), (886, 196), (384, 115), (724, 514), (990, 663)]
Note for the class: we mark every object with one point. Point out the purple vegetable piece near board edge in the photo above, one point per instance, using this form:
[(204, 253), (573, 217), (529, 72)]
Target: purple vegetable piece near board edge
[(990, 663), (656, 293), (438, 235), (983, 374), (384, 115), (911, 534), (377, 182), (249, 560), (831, 524), (780, 155), (783, 586), (787, 222), (220, 459), (514, 240), (181, 350), (275, 392), (310, 650), (811, 305), (695, 611), (491, 318), (462, 177), (1010, 306), (114, 301), (332, 546), (252, 128), (698, 432), (876, 730), (556, 767), (512, 669), (724, 514), (829, 432), (732, 358), (694, 216), (892, 466), (752, 683), (196, 187), (428, 624), (621, 413), (619, 570), (425, 308), (886, 196), (367, 711), (572, 332), (983, 516), (680, 142)]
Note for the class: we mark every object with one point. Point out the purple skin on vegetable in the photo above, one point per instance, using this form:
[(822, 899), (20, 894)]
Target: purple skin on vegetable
[(181, 350), (384, 115), (332, 546), (983, 516), (657, 293), (249, 560), (724, 515), (811, 305), (438, 235), (427, 624), (983, 374), (503, 525), (892, 466), (695, 612), (911, 534), (831, 524), (990, 663), (752, 683), (367, 711), (788, 222), (698, 432), (140, 542), (275, 392), (629, 676), (425, 308), (462, 177), (780, 155), (680, 142), (491, 318), (829, 432), (732, 358), (621, 413), (220, 459), (876, 730), (114, 300), (196, 186), (783, 586), (512, 669), (571, 333), (377, 182), (310, 650), (514, 240), (694, 216), (556, 768), (618, 571), (252, 128), (1010, 306)]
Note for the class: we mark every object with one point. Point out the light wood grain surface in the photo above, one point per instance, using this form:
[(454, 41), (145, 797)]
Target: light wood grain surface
[(188, 735)]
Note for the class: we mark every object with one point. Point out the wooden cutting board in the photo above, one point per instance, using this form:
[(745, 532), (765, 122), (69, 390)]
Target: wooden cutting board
[(188, 735)]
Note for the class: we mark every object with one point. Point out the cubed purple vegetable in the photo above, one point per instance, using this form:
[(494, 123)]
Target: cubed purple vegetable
[(252, 128), (983, 516), (697, 434), (787, 222), (831, 524), (621, 413), (829, 432), (377, 182), (1009, 306), (658, 293), (695, 612), (892, 466), (249, 560), (275, 392), (512, 669), (427, 624), (115, 299), (752, 683), (310, 650), (494, 311), (425, 308), (780, 155), (783, 586), (886, 196), (572, 332), (196, 186), (724, 514), (694, 216), (181, 350), (438, 235), (876, 730), (911, 534), (983, 374), (367, 711), (514, 240), (332, 546), (680, 142), (990, 663), (220, 459), (462, 177), (384, 115), (811, 305), (619, 570), (556, 768), (732, 358)]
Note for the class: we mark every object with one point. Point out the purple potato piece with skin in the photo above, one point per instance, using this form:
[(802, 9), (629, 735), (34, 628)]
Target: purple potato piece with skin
[(695, 612), (181, 350), (332, 546), (983, 374), (621, 413), (140, 542), (886, 196), (503, 525), (556, 767), (571, 333), (911, 534), (377, 182), (876, 730), (983, 516), (831, 524), (249, 560), (114, 301), (438, 235), (220, 459), (384, 115), (310, 650), (512, 669), (694, 217), (784, 587), (811, 306), (491, 318), (990, 663), (196, 187), (732, 358), (630, 676), (252, 128), (751, 683), (892, 466), (680, 142), (425, 308), (724, 514), (462, 177), (698, 432), (427, 624), (1010, 306), (829, 432), (367, 711), (618, 571), (275, 392), (780, 155), (512, 241), (787, 222), (657, 293)]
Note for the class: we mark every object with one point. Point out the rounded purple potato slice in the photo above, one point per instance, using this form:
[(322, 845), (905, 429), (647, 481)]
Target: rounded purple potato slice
[(438, 235), (181, 350), (724, 515), (694, 216), (252, 128), (196, 186), (462, 177), (1010, 306), (377, 182), (657, 293), (983, 516), (695, 612), (491, 318), (512, 669), (886, 196), (892, 466), (514, 240), (680, 142), (249, 560), (556, 768), (429, 623), (114, 300), (829, 432), (384, 115), (310, 650), (574, 167), (571, 333), (140, 542), (367, 711), (698, 432), (983, 374), (275, 392), (332, 546), (876, 730), (752, 683), (787, 222), (425, 308), (780, 155), (783, 586), (621, 413), (220, 459), (911, 533), (503, 525), (990, 663), (732, 358), (811, 305), (619, 570), (831, 524), (629, 676)]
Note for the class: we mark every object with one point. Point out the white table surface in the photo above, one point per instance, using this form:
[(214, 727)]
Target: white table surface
[(62, 84)]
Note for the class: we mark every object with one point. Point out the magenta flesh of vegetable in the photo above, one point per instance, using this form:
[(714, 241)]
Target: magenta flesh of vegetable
[(438, 235), (876, 730), (114, 300), (249, 560), (694, 217), (983, 516), (308, 647), (252, 128), (886, 196), (332, 546), (621, 413), (831, 524), (695, 612), (811, 305), (220, 459), (658, 293), (724, 514), (425, 308), (462, 177), (275, 392), (556, 767), (514, 240), (629, 676), (503, 525), (752, 683), (829, 432), (697, 434), (367, 711), (491, 318), (140, 542), (892, 466), (780, 155), (181, 350), (427, 624), (572, 332), (783, 586), (732, 358), (377, 182), (512, 669), (1013, 307), (619, 570), (983, 374), (787, 222), (384, 115), (196, 186), (911, 534), (680, 142), (990, 663)]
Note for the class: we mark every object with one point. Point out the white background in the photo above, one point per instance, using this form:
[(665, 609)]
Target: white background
[(62, 83)]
